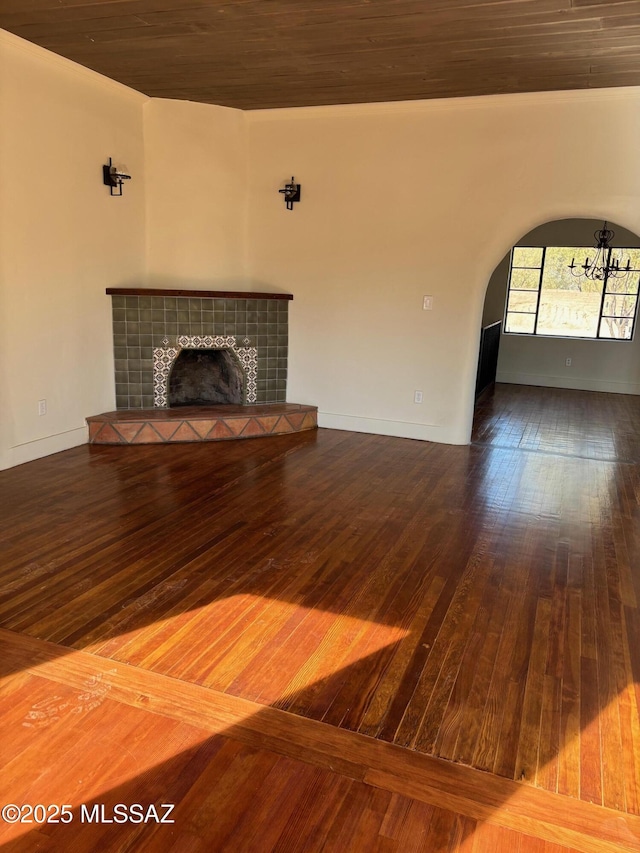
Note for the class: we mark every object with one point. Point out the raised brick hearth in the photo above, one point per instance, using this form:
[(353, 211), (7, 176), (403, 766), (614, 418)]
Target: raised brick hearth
[(199, 423)]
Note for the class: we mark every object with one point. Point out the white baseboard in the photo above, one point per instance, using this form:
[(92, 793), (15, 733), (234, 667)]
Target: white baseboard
[(30, 450), (398, 429), (577, 384)]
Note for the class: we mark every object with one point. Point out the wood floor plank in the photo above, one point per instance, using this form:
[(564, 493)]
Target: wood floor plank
[(478, 709), (459, 621), (499, 686), (458, 706), (381, 715), (569, 740), (630, 717), (549, 737), (533, 698)]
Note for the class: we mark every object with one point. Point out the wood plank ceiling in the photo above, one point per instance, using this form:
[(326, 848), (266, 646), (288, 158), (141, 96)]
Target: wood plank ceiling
[(254, 54)]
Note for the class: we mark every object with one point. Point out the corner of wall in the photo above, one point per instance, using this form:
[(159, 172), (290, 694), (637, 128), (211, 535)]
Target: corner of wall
[(196, 205)]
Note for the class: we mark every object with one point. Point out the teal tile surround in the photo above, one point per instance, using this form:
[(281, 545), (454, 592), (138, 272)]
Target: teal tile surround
[(141, 323)]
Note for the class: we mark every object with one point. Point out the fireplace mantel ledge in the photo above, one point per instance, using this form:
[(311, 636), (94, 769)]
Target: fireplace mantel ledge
[(202, 294)]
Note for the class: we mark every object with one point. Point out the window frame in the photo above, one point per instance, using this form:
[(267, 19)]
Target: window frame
[(601, 317)]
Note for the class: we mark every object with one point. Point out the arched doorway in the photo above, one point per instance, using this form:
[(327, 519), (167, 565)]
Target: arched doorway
[(554, 358)]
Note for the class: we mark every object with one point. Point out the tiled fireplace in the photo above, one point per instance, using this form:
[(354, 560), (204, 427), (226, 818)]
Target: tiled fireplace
[(155, 329), (149, 330)]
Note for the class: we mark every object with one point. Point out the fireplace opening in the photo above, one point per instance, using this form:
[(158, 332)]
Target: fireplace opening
[(205, 377)]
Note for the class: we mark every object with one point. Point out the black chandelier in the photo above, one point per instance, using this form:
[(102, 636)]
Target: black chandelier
[(605, 265)]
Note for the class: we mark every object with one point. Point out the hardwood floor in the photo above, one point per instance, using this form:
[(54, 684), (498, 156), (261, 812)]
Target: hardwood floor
[(382, 643), (592, 425)]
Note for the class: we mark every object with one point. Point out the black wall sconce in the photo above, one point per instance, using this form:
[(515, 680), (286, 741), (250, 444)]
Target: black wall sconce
[(291, 193), (113, 178)]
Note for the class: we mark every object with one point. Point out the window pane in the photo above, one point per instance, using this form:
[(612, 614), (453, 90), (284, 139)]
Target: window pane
[(523, 256), (619, 329), (569, 307), (622, 256), (628, 284), (525, 279), (619, 306), (523, 300), (556, 267), (569, 313), (634, 256), (520, 323)]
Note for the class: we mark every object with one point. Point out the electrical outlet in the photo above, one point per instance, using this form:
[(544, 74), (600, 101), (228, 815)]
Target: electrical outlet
[(42, 407), (417, 397), (568, 362), (427, 303)]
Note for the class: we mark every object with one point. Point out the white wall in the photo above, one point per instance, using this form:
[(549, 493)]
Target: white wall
[(64, 240), (595, 365), (196, 166), (402, 200)]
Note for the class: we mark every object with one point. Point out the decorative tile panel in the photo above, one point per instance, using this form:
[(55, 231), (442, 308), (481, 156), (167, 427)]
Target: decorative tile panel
[(164, 359)]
